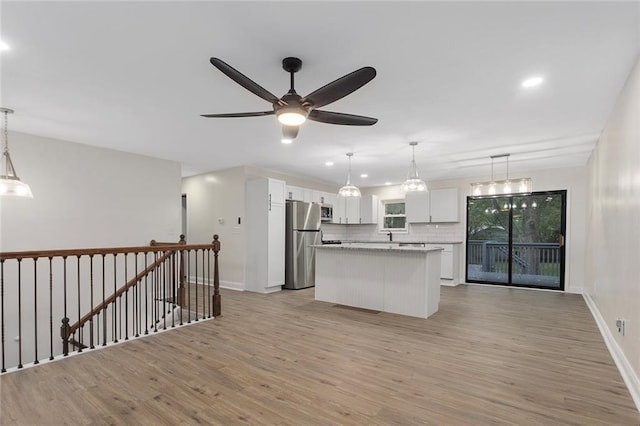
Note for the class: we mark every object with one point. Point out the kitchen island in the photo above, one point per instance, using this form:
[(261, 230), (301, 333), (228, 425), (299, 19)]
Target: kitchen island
[(383, 277)]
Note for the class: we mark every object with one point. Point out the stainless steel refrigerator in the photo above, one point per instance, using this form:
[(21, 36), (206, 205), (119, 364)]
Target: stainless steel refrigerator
[(302, 230)]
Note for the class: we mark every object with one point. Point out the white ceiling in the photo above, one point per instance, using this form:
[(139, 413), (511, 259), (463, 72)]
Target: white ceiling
[(135, 76)]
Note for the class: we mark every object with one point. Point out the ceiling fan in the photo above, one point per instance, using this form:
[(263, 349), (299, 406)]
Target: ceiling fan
[(292, 109)]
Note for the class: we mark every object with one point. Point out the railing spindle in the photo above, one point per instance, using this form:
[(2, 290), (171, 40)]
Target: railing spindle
[(35, 310), (114, 309), (181, 290), (136, 290), (126, 302), (104, 305), (4, 367), (209, 299), (64, 329), (50, 308), (146, 296), (19, 314), (91, 345), (79, 339), (189, 286), (195, 260)]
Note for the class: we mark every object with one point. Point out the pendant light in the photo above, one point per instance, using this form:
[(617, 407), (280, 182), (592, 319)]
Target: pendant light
[(10, 183), (502, 187), (349, 190), (413, 182)]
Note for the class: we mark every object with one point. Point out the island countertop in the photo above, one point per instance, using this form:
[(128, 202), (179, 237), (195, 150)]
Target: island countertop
[(399, 242), (376, 246), (382, 277)]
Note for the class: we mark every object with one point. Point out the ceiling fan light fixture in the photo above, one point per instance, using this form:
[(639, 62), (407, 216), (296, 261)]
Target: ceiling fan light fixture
[(291, 117), (413, 182)]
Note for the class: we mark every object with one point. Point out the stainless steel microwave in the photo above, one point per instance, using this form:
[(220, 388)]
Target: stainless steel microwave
[(326, 213)]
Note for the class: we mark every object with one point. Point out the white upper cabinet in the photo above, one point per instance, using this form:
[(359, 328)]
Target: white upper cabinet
[(416, 207), (445, 205), (352, 210), (294, 193), (435, 206), (369, 209), (346, 210)]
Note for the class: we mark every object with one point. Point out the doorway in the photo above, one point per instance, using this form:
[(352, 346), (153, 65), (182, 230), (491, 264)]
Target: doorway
[(517, 240), (184, 215)]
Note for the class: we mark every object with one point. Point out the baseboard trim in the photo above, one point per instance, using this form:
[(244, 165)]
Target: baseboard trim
[(626, 370), (232, 285)]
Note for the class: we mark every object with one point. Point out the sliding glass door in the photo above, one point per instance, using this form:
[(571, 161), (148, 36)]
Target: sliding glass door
[(517, 240)]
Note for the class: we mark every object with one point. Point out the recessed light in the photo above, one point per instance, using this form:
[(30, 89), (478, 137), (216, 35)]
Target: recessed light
[(364, 175), (287, 141), (329, 163), (387, 183), (532, 82), (3, 46)]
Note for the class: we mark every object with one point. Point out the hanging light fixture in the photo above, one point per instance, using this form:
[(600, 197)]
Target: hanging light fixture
[(349, 190), (501, 187), (413, 182), (10, 183)]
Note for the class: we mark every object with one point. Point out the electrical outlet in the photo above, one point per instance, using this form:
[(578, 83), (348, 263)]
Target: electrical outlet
[(620, 323)]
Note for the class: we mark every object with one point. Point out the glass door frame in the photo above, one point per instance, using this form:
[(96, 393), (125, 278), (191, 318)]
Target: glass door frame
[(562, 253)]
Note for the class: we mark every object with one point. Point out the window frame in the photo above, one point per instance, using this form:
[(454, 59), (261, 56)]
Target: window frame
[(383, 215)]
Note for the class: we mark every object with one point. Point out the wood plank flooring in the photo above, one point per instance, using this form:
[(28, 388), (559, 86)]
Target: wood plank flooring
[(490, 356)]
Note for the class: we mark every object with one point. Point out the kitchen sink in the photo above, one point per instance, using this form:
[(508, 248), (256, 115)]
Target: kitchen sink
[(412, 244)]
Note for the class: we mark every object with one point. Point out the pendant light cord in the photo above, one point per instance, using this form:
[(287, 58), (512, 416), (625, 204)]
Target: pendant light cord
[(349, 171), (507, 167), (491, 169)]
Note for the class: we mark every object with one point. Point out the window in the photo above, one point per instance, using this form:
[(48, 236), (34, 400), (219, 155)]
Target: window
[(393, 216)]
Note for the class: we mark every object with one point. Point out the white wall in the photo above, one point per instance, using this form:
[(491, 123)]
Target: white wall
[(215, 201), (613, 237), (88, 197)]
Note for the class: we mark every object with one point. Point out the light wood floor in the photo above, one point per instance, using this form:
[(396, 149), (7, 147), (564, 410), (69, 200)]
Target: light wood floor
[(489, 356)]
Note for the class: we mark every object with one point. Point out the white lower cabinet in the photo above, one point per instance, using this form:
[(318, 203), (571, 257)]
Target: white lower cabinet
[(449, 263), (264, 233)]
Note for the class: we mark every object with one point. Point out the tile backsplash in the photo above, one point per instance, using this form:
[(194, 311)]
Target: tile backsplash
[(440, 232)]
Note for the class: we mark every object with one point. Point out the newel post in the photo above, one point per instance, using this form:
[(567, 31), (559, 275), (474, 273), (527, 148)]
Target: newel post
[(65, 334), (217, 306)]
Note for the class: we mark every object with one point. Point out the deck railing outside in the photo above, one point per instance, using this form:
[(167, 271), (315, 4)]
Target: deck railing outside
[(528, 258), (55, 302)]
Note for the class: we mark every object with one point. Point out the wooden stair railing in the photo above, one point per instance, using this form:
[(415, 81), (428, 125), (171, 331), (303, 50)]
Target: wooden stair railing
[(66, 330), (36, 286)]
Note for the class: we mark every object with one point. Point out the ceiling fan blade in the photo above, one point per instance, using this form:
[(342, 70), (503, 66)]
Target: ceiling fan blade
[(341, 118), (290, 132), (244, 81), (239, 114), (340, 88)]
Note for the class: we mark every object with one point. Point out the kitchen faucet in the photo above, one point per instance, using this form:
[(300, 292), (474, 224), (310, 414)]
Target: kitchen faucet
[(390, 236)]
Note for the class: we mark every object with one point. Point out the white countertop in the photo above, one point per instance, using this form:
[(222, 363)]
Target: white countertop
[(400, 242), (376, 246)]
